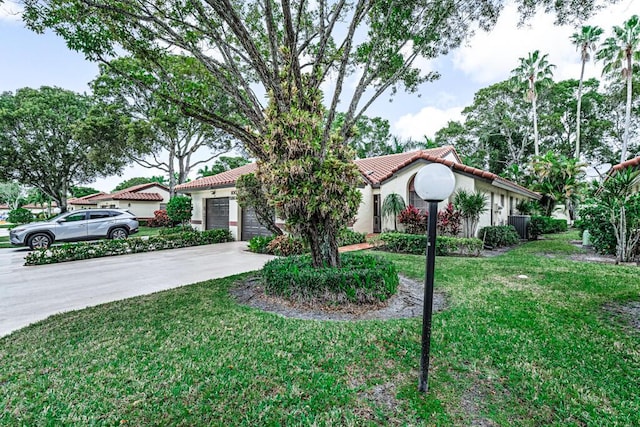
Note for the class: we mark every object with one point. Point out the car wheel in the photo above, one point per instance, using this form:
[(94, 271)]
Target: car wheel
[(118, 233), (39, 241)]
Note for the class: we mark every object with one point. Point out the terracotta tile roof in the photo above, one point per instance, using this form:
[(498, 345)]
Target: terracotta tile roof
[(134, 193), (85, 200), (629, 163), (459, 167), (376, 170), (379, 169), (225, 178)]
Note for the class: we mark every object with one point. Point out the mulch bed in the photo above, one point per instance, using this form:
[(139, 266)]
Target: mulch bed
[(406, 303)]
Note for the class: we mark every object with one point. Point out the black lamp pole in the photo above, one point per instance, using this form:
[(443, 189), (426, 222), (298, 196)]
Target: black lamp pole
[(428, 297)]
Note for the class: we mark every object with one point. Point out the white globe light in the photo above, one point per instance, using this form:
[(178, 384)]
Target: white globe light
[(434, 182)]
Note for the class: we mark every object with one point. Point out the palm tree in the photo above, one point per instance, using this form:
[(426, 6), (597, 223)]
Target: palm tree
[(585, 42), (393, 204), (619, 52), (471, 205), (534, 73)]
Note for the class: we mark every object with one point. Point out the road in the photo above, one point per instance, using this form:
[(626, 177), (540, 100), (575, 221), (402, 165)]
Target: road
[(30, 294)]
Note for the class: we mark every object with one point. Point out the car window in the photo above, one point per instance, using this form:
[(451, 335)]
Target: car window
[(99, 214), (115, 213), (75, 217)]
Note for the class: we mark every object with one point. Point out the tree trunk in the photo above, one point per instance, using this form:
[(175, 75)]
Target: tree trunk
[(579, 111), (323, 244), (627, 118), (535, 125), (172, 177)]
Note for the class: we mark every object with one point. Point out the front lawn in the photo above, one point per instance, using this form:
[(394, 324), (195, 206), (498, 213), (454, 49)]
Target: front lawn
[(507, 351), (4, 242)]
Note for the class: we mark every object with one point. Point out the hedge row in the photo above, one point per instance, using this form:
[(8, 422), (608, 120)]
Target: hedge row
[(102, 248), (361, 279), (417, 244)]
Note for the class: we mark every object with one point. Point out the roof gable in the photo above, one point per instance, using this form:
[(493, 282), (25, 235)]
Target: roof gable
[(135, 193), (224, 178)]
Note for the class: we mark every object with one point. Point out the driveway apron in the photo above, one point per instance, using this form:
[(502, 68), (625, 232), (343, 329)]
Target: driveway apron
[(30, 294)]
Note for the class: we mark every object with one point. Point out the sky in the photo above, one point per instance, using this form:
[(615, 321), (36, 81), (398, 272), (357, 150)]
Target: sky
[(28, 59)]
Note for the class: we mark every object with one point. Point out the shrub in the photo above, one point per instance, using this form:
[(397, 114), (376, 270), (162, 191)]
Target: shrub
[(499, 235), (175, 230), (361, 279), (595, 218), (258, 244), (20, 216), (160, 219), (449, 221), (417, 244), (545, 225), (102, 248), (179, 209), (414, 221), (348, 237), (286, 246)]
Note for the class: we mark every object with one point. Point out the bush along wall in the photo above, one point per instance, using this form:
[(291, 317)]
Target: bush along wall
[(361, 279), (102, 248), (417, 243), (499, 235), (286, 245), (545, 225)]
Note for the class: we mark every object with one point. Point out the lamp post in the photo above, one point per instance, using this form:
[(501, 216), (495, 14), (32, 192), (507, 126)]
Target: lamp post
[(433, 183)]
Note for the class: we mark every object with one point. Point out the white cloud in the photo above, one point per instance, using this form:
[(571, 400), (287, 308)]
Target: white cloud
[(489, 57), (427, 122), (10, 11)]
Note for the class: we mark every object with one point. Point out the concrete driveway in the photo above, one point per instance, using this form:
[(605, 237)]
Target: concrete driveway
[(30, 294)]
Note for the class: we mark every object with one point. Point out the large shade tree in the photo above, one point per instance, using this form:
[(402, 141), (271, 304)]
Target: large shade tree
[(174, 143), (585, 42), (37, 135), (533, 74), (619, 53), (290, 51)]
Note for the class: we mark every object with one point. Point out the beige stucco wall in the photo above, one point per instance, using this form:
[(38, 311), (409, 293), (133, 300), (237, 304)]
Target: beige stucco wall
[(364, 221), (364, 217)]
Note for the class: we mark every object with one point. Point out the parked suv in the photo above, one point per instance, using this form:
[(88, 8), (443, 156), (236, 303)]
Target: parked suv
[(86, 224)]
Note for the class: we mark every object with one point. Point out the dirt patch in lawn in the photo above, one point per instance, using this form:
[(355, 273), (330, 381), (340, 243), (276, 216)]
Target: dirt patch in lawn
[(628, 313), (407, 302)]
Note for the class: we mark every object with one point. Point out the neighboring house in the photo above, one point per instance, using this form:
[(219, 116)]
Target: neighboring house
[(44, 208), (33, 208), (85, 202), (215, 206), (141, 200)]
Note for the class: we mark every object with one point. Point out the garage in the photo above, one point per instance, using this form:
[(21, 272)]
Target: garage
[(218, 213), (250, 225)]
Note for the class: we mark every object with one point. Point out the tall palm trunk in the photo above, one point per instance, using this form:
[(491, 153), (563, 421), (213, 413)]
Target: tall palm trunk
[(534, 105), (627, 119), (579, 110)]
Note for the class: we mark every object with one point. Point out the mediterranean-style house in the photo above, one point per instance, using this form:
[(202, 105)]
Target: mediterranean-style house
[(215, 205), (141, 200)]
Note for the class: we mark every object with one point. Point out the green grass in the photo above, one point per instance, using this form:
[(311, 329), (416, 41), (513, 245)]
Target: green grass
[(4, 242), (147, 231), (536, 351)]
